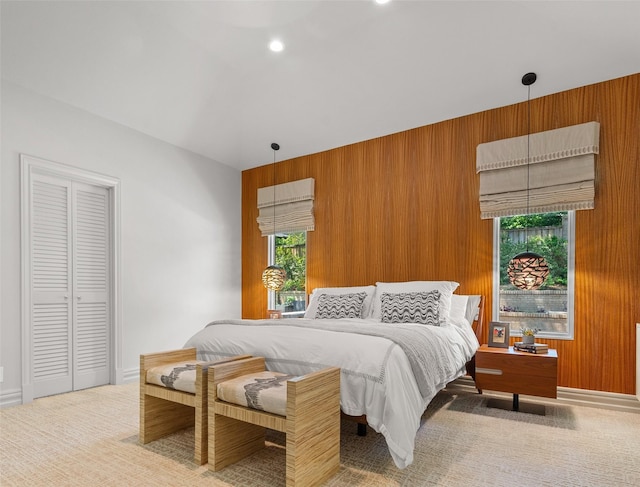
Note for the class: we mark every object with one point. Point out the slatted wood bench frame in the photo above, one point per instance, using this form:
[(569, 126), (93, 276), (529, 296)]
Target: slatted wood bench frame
[(311, 425), (164, 411)]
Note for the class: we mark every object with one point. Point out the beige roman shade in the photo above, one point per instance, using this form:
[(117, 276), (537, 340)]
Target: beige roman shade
[(293, 205), (561, 172)]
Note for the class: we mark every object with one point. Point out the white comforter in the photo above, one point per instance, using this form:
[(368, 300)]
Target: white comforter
[(376, 375)]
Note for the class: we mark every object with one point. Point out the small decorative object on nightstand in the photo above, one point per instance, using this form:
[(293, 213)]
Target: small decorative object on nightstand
[(274, 314), (528, 335), (499, 334), (531, 347)]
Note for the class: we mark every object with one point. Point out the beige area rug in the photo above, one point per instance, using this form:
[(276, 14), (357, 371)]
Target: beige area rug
[(90, 438)]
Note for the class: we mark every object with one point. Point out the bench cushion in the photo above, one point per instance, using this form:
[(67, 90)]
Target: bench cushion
[(265, 391), (180, 376)]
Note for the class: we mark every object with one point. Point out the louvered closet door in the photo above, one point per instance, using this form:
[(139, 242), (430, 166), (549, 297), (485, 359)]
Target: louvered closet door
[(91, 286), (51, 270), (70, 285)]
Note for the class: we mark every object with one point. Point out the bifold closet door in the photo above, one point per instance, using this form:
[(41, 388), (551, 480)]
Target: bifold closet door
[(70, 322), (51, 286), (91, 310)]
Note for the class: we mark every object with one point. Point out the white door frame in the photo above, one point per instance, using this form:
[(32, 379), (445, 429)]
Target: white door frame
[(30, 165)]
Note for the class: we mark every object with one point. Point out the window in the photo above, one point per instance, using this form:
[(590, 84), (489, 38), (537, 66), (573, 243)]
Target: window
[(289, 250), (549, 308)]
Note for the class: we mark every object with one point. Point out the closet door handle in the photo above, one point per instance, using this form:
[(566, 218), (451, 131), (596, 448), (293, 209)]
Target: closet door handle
[(78, 298)]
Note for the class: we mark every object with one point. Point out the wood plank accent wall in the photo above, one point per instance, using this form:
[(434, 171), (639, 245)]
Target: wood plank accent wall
[(405, 207)]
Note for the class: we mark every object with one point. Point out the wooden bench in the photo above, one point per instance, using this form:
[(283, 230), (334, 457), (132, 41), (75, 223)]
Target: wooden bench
[(164, 410), (311, 423)]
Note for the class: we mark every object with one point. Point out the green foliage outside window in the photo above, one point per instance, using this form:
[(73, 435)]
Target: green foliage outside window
[(529, 221), (291, 254), (552, 248)]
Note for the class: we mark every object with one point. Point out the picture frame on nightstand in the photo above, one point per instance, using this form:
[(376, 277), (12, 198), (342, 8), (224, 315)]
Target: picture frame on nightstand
[(274, 314), (499, 334)]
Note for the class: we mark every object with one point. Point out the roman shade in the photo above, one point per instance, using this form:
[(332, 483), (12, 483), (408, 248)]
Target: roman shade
[(291, 204), (561, 172)]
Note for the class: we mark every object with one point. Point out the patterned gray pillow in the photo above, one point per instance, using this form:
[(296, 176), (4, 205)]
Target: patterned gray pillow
[(334, 306), (411, 308)]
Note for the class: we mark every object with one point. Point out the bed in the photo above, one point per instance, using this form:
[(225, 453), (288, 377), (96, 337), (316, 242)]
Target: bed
[(397, 345)]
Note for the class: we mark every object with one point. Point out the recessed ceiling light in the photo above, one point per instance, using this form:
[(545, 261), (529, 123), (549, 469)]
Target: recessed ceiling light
[(382, 2), (276, 46)]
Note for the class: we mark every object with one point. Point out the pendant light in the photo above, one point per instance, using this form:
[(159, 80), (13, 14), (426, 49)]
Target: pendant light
[(273, 276), (528, 270)]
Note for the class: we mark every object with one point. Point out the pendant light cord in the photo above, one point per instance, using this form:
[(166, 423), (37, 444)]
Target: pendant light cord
[(528, 156), (527, 80), (274, 203), (275, 148)]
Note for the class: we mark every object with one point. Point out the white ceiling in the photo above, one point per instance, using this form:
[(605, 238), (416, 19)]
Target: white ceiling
[(198, 74)]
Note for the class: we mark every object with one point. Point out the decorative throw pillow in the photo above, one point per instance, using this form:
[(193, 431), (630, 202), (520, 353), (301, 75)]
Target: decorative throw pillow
[(317, 292), (411, 308), (340, 306), (446, 289)]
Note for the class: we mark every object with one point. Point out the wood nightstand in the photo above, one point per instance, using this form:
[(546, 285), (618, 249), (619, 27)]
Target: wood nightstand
[(506, 370)]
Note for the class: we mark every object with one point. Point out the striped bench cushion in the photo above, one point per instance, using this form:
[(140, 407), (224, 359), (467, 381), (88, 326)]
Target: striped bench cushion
[(180, 376), (265, 391)]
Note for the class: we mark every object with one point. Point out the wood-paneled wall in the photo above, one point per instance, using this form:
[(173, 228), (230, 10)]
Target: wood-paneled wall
[(405, 207)]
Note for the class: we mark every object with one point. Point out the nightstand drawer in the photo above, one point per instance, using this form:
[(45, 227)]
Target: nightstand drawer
[(517, 372)]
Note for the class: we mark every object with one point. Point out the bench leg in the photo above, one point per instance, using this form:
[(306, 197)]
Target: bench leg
[(313, 429), (159, 418), (313, 454), (231, 440), (200, 456)]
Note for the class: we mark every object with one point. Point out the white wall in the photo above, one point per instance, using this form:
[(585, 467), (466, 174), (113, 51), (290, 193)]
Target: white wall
[(181, 226)]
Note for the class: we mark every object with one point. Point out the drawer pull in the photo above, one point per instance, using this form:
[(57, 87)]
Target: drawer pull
[(482, 370)]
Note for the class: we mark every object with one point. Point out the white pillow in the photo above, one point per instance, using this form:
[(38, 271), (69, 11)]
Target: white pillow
[(458, 310), (472, 308), (315, 295), (446, 289)]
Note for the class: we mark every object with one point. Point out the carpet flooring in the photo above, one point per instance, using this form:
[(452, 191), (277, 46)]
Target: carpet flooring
[(90, 438)]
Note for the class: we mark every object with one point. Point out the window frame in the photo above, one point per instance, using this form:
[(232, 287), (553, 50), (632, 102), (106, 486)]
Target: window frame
[(571, 243), (271, 294), (271, 260)]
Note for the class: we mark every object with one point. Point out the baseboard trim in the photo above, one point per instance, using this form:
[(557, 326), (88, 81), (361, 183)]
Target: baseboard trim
[(567, 395), (131, 375), (14, 397), (605, 400), (10, 398)]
